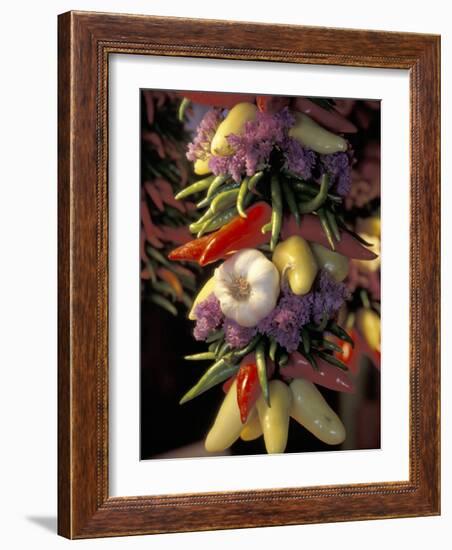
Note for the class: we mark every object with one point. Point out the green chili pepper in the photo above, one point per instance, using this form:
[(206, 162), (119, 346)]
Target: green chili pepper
[(254, 180), (223, 350), (223, 189), (338, 331), (306, 340), (316, 202), (216, 183), (215, 335), (163, 302), (198, 224), (357, 236), (206, 356), (273, 348), (217, 373), (333, 224), (326, 228), (266, 228), (218, 345), (241, 197), (262, 371), (326, 344), (223, 200), (238, 354), (283, 360), (276, 212), (290, 200), (218, 220), (200, 185), (312, 361), (182, 108), (333, 360)]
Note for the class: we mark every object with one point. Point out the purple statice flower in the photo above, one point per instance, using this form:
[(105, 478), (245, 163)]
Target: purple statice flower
[(208, 317), (199, 148), (338, 167), (236, 335), (285, 321), (328, 296), (253, 147), (298, 160)]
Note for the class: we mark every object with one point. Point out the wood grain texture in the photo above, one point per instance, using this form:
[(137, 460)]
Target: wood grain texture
[(85, 42)]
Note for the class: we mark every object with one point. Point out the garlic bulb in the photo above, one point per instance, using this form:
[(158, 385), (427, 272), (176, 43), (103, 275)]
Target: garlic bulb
[(247, 287)]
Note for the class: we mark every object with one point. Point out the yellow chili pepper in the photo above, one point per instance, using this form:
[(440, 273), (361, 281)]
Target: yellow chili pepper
[(202, 295), (336, 264), (369, 324), (234, 123), (201, 167), (315, 137), (228, 424), (310, 409), (252, 429), (275, 419), (295, 260)]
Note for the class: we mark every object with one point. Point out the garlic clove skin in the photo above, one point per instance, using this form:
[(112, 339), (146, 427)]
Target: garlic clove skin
[(227, 426), (252, 429), (274, 420), (310, 409), (247, 287)]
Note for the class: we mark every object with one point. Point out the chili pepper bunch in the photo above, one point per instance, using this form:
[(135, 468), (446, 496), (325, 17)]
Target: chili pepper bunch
[(283, 157), (269, 312), (164, 170)]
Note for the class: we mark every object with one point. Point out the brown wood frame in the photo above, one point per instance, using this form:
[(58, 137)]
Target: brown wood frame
[(85, 42)]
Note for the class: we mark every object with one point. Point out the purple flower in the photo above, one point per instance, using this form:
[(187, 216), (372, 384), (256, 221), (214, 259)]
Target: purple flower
[(338, 166), (285, 321), (208, 316), (199, 148), (299, 161), (253, 147), (328, 296), (236, 335)]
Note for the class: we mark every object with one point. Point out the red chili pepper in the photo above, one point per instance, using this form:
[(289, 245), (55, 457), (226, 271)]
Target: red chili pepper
[(216, 99), (248, 389), (327, 375), (190, 251), (271, 103), (237, 234)]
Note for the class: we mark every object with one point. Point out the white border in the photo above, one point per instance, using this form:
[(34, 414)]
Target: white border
[(128, 475)]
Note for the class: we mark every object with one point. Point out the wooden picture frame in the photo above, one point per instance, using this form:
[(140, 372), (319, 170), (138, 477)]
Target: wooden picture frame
[(86, 40)]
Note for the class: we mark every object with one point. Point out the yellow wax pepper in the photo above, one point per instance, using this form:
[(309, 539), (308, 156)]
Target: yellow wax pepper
[(368, 323), (310, 409), (315, 137), (274, 419), (201, 167), (202, 295), (295, 260), (234, 123), (336, 264)]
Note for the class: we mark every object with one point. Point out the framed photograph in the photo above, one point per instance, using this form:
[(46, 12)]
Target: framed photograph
[(249, 259)]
